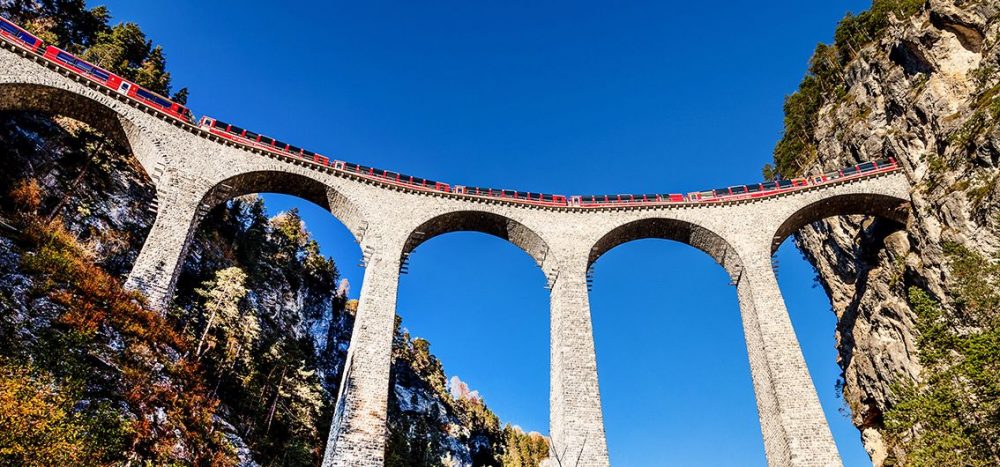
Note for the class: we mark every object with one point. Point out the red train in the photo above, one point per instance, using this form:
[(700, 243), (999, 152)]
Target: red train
[(25, 40)]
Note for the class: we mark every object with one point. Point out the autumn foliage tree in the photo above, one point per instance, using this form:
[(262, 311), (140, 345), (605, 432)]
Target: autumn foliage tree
[(37, 425), (101, 345)]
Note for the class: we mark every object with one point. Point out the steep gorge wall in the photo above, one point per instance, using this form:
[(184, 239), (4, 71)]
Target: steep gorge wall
[(923, 90)]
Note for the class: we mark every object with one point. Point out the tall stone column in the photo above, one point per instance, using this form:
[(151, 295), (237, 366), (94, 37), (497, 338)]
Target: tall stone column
[(576, 423), (358, 433), (159, 263), (791, 418)]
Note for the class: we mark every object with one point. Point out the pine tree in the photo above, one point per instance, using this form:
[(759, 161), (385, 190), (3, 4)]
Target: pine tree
[(123, 49), (181, 96), (222, 295), (152, 74)]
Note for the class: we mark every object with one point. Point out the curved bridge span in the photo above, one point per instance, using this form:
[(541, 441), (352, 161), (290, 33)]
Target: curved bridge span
[(194, 171)]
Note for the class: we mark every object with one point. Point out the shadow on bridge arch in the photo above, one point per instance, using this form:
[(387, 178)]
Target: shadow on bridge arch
[(292, 184), (56, 101), (479, 221), (485, 310), (671, 356), (887, 207), (669, 229)]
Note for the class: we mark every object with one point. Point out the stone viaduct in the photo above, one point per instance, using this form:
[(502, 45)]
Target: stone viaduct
[(194, 171)]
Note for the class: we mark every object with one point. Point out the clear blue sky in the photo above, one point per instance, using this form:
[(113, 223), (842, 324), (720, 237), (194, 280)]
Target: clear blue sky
[(564, 97)]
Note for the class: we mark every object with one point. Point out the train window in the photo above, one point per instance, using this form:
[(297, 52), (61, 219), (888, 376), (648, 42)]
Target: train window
[(784, 183), (364, 169), (149, 96), (546, 197), (266, 140), (769, 185), (308, 153), (867, 166), (294, 150), (429, 183), (350, 166), (28, 38), (278, 144), (721, 191), (67, 58), (103, 75), (378, 172), (235, 130), (220, 125), (8, 27), (883, 162), (850, 170), (417, 181), (738, 190), (252, 135), (753, 188)]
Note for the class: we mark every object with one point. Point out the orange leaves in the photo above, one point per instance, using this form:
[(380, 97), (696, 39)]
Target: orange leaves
[(81, 317), (27, 196), (36, 427), (174, 413)]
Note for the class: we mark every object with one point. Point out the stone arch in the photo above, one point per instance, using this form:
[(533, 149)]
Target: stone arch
[(289, 183), (892, 208), (57, 101), (479, 221), (677, 230)]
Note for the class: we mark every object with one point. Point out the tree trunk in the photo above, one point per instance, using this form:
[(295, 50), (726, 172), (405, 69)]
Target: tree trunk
[(204, 334), (274, 405)]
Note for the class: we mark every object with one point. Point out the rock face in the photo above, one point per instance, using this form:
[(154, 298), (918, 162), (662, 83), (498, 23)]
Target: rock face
[(924, 92)]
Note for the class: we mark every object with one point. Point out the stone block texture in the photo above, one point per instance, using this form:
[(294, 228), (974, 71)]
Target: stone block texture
[(194, 171)]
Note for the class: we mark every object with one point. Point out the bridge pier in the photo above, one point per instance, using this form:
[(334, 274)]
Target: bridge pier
[(358, 432), (791, 418), (159, 262), (576, 422)]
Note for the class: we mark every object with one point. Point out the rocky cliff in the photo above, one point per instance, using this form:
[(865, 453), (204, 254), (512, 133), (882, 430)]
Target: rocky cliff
[(918, 82)]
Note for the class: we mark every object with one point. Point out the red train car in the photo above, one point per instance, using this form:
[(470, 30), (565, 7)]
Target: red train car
[(117, 83), (249, 138), (19, 37)]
